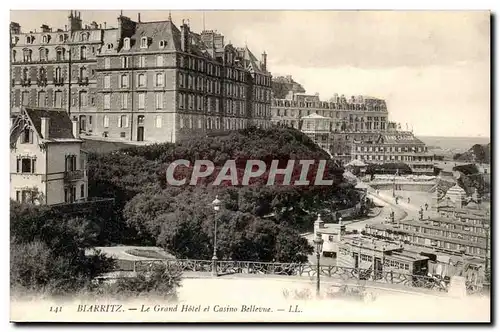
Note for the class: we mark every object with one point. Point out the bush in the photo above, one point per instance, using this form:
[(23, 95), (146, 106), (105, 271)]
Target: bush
[(161, 282)]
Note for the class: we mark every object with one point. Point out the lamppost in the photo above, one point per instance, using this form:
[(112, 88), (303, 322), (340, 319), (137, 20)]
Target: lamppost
[(216, 205), (318, 241)]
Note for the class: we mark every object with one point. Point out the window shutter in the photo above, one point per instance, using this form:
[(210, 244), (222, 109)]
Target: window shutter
[(120, 122), (31, 136), (33, 164), (18, 165), (18, 194)]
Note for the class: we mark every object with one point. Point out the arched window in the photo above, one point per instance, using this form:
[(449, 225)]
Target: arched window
[(60, 54), (61, 38), (44, 54), (126, 43), (144, 42), (83, 72), (42, 73), (27, 55), (45, 39)]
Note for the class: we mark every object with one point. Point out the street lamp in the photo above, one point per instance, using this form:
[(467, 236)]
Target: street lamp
[(216, 205), (318, 241)]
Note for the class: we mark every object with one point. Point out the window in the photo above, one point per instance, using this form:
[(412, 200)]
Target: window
[(140, 119), (124, 100), (142, 80), (159, 79), (83, 52), (26, 165), (144, 42), (107, 81), (124, 81), (27, 55), (142, 100), (159, 60), (70, 163), (159, 100), (162, 43), (158, 121), (70, 194), (58, 99), (124, 62), (41, 98), (107, 63), (142, 61), (106, 121), (82, 191), (83, 99), (126, 43), (27, 136), (107, 101), (123, 121), (44, 54)]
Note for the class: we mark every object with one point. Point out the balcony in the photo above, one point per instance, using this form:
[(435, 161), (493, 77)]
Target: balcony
[(42, 82), (58, 81), (70, 176), (25, 82), (83, 80)]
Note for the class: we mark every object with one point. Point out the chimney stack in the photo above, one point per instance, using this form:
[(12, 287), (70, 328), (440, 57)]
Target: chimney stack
[(264, 61), (76, 128), (45, 127), (139, 17)]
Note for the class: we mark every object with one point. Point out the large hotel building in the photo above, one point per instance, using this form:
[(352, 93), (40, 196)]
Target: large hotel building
[(140, 81), (358, 126)]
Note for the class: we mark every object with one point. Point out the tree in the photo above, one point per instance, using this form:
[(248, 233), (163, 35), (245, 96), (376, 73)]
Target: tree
[(49, 251)]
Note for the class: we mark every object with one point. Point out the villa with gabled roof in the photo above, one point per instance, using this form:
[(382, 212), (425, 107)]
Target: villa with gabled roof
[(47, 163)]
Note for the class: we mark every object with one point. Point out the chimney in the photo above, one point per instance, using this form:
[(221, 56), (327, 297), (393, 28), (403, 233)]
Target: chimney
[(185, 36), (104, 25), (139, 17), (264, 61), (45, 28), (45, 125), (76, 128), (15, 28)]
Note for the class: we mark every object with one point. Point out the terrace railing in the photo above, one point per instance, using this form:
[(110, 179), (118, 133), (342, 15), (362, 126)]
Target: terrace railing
[(297, 269)]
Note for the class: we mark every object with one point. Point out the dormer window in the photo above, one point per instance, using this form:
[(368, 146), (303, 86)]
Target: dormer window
[(126, 43), (45, 39), (110, 46), (144, 42), (163, 43)]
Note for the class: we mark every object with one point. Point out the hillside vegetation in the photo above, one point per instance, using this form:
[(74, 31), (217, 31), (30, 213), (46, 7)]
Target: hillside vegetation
[(257, 222)]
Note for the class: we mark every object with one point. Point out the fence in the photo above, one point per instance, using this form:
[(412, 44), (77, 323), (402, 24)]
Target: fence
[(297, 269)]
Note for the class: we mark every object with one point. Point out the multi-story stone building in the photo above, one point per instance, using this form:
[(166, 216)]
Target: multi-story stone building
[(395, 147), (455, 234), (141, 81), (357, 118), (47, 163), (55, 69), (317, 128)]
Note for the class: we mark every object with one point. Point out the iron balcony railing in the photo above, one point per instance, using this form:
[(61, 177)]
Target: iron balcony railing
[(73, 175)]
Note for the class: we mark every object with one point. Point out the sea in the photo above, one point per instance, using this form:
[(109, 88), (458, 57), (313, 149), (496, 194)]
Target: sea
[(452, 144)]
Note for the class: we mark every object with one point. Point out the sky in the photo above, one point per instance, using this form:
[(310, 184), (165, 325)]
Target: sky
[(432, 68)]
